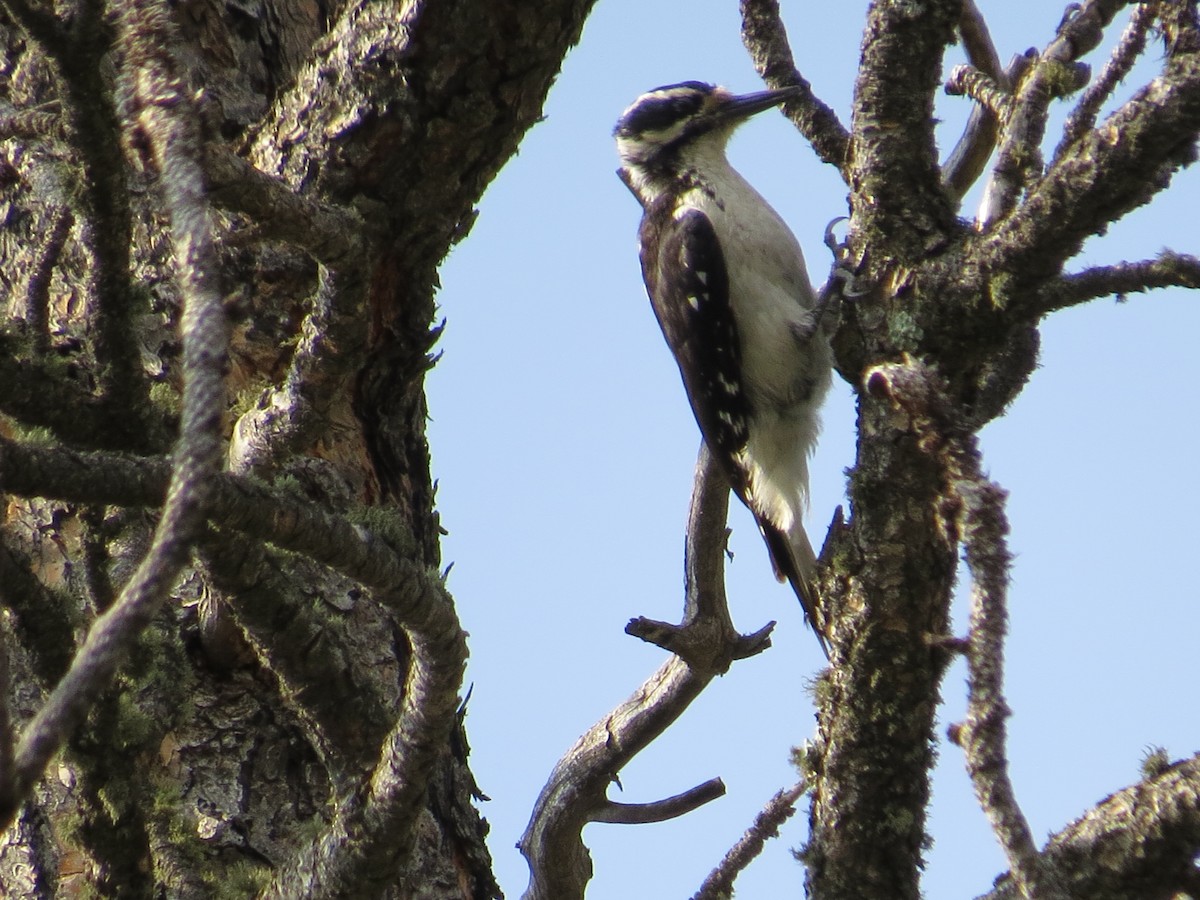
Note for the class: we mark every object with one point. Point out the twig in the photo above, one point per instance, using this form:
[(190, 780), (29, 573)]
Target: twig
[(967, 160), (660, 810), (1124, 55), (1101, 177), (766, 40), (780, 808), (165, 117), (43, 123), (983, 736), (1169, 269)]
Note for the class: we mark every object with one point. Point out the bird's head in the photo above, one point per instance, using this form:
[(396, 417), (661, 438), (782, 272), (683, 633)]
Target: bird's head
[(661, 128)]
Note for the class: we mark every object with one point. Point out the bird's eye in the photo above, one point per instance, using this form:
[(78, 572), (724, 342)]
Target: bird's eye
[(658, 114)]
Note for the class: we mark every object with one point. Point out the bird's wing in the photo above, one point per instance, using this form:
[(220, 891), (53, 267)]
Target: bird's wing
[(689, 290)]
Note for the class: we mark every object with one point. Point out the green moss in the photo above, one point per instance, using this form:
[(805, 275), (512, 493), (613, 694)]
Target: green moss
[(240, 880), (248, 398), (165, 397), (388, 524), (1155, 762)]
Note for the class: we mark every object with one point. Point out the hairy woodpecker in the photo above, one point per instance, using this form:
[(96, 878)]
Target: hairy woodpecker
[(728, 285)]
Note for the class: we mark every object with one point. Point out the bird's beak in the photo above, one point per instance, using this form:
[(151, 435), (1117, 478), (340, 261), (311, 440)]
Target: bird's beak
[(736, 108)]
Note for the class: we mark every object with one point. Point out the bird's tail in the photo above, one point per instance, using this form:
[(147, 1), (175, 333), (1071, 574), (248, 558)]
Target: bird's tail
[(794, 561)]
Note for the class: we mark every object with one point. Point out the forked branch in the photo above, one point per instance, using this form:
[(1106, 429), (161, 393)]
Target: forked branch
[(575, 794)]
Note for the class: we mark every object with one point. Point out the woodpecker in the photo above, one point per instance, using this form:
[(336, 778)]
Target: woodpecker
[(729, 288)]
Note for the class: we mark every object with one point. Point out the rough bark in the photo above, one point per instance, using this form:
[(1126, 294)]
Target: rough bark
[(282, 694)]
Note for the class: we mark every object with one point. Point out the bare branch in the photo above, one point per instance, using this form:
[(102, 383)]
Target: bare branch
[(766, 39), (660, 810), (969, 157), (780, 808), (165, 117), (977, 42), (1168, 269), (575, 793), (983, 736), (1102, 176), (334, 333), (682, 640), (1124, 55), (299, 648), (371, 836)]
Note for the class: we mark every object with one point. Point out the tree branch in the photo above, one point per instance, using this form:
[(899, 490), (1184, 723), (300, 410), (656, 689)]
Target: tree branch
[(982, 88), (1138, 842), (381, 819), (983, 736), (1124, 55), (767, 42), (37, 293), (719, 883), (1052, 74), (1102, 176), (332, 235), (983, 529), (660, 810), (897, 183), (320, 376), (559, 863), (1169, 269), (164, 114), (309, 658), (969, 157), (45, 123)]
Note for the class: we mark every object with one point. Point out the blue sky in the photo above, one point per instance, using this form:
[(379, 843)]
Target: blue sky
[(564, 448)]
